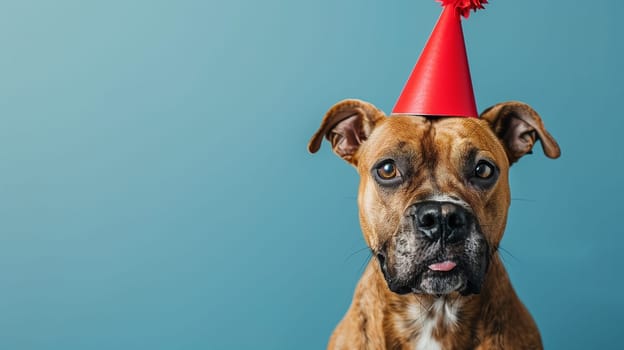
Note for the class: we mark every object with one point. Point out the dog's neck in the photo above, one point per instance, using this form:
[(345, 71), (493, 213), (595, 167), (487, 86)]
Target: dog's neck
[(427, 321)]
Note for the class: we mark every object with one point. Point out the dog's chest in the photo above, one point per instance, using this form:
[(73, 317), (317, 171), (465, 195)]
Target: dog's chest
[(425, 324)]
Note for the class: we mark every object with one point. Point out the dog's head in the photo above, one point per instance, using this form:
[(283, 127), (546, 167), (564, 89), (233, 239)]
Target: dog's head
[(434, 192)]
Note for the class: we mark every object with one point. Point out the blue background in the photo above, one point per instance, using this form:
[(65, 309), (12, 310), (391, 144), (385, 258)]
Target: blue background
[(156, 191)]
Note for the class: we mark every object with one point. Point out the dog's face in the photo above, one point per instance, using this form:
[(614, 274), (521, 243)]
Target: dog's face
[(434, 192), (433, 199)]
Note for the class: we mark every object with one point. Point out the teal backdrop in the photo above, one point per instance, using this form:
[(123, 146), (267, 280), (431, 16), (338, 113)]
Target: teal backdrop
[(156, 191)]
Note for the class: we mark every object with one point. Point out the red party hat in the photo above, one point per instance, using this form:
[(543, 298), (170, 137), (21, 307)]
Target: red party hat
[(440, 83)]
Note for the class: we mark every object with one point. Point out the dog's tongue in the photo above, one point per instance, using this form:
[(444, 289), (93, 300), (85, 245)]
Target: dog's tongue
[(443, 266)]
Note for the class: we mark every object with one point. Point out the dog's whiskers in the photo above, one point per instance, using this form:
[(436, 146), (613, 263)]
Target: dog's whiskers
[(366, 261), (356, 252), (523, 200), (508, 253)]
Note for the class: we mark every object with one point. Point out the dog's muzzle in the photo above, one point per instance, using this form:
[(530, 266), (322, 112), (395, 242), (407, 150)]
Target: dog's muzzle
[(438, 249)]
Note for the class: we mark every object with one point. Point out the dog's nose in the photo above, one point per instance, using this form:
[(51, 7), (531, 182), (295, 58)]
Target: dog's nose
[(445, 220)]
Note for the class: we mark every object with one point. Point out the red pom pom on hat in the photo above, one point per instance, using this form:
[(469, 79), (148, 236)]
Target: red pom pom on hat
[(440, 84), (464, 6)]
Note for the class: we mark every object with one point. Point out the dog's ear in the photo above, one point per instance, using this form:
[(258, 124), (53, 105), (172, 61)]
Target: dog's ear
[(518, 126), (346, 125)]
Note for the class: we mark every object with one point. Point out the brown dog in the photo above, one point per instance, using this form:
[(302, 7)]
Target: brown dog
[(433, 201)]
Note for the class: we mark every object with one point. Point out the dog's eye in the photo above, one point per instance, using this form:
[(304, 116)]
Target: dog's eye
[(387, 173), (483, 175), (484, 170), (387, 170)]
